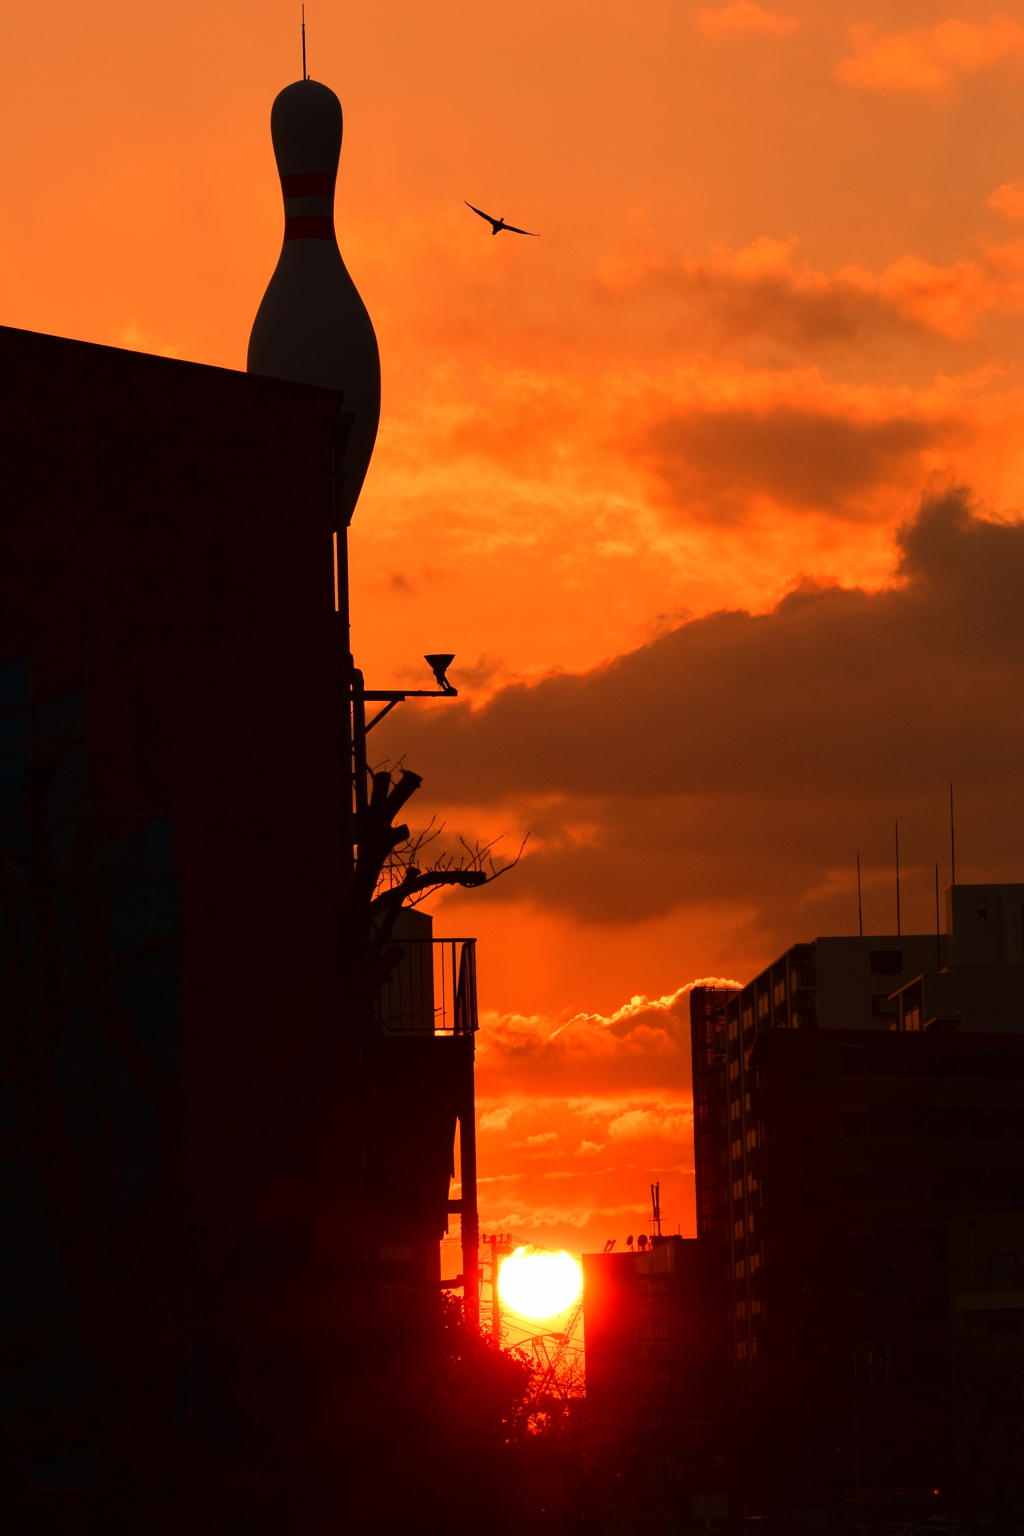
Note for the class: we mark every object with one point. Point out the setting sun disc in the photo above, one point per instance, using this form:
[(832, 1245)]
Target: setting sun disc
[(539, 1284)]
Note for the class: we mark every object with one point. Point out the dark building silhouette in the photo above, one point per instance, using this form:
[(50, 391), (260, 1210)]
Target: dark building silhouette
[(986, 1263), (168, 629), (859, 1116), (647, 1379)]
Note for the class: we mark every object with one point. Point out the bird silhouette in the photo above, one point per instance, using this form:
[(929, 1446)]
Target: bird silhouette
[(497, 225)]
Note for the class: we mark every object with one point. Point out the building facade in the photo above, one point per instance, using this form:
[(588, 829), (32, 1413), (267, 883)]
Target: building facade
[(647, 1360), (170, 986), (858, 1118)]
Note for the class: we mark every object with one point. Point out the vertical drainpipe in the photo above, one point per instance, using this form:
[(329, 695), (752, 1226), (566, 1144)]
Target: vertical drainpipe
[(470, 1219), (465, 1042)]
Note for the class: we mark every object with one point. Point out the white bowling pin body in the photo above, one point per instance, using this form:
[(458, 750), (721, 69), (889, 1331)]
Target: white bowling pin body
[(312, 326)]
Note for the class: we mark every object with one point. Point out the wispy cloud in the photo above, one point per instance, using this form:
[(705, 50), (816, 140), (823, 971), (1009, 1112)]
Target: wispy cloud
[(929, 58), (1008, 199), (744, 18)]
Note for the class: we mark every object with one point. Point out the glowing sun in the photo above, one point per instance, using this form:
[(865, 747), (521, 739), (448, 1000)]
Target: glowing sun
[(539, 1284)]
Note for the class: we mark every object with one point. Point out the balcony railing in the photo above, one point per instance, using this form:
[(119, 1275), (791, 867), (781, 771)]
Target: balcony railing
[(982, 1284), (432, 990)]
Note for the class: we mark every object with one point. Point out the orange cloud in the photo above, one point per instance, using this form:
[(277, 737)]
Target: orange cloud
[(748, 761), (1008, 199), (929, 58), (696, 433), (797, 457), (743, 17), (766, 288), (579, 1115), (642, 1044)]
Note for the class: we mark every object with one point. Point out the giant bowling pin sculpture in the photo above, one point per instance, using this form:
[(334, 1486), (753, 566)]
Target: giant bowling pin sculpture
[(312, 326)]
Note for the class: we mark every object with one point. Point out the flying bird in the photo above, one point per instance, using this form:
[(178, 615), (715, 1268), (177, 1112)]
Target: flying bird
[(497, 225)]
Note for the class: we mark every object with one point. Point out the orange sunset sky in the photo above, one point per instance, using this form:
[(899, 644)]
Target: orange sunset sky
[(714, 489)]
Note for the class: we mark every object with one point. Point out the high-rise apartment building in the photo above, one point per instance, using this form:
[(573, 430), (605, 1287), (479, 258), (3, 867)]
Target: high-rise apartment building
[(860, 1095)]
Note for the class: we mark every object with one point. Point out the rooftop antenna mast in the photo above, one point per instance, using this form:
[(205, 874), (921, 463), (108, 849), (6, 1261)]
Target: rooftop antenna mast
[(305, 71), (656, 1209)]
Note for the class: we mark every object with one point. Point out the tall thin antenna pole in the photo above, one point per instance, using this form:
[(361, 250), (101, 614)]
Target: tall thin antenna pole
[(860, 904), (305, 71), (656, 1208), (952, 838), (898, 929), (938, 930)]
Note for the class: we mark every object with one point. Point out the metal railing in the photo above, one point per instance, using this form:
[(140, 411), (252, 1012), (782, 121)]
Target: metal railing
[(432, 990)]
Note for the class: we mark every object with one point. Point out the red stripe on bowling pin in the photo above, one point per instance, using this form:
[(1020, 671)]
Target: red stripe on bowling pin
[(308, 185), (308, 226)]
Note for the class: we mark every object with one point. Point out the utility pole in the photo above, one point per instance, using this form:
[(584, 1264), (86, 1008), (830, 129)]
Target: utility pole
[(495, 1308), (499, 1244)]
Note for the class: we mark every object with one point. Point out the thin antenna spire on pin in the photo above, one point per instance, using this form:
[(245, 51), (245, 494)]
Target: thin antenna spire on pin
[(305, 71), (898, 929), (860, 907)]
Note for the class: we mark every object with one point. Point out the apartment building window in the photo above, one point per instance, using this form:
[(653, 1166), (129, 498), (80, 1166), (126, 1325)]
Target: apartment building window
[(734, 1071), (912, 1018), (740, 1270), (737, 1189), (1004, 1271), (734, 1110), (754, 1137), (741, 1349), (734, 1030), (737, 1229), (737, 1150), (757, 1307), (741, 1311), (763, 1006), (748, 1013), (779, 993)]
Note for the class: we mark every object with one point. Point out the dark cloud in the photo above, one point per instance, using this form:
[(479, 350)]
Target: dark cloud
[(765, 302), (741, 759), (713, 461), (803, 315)]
